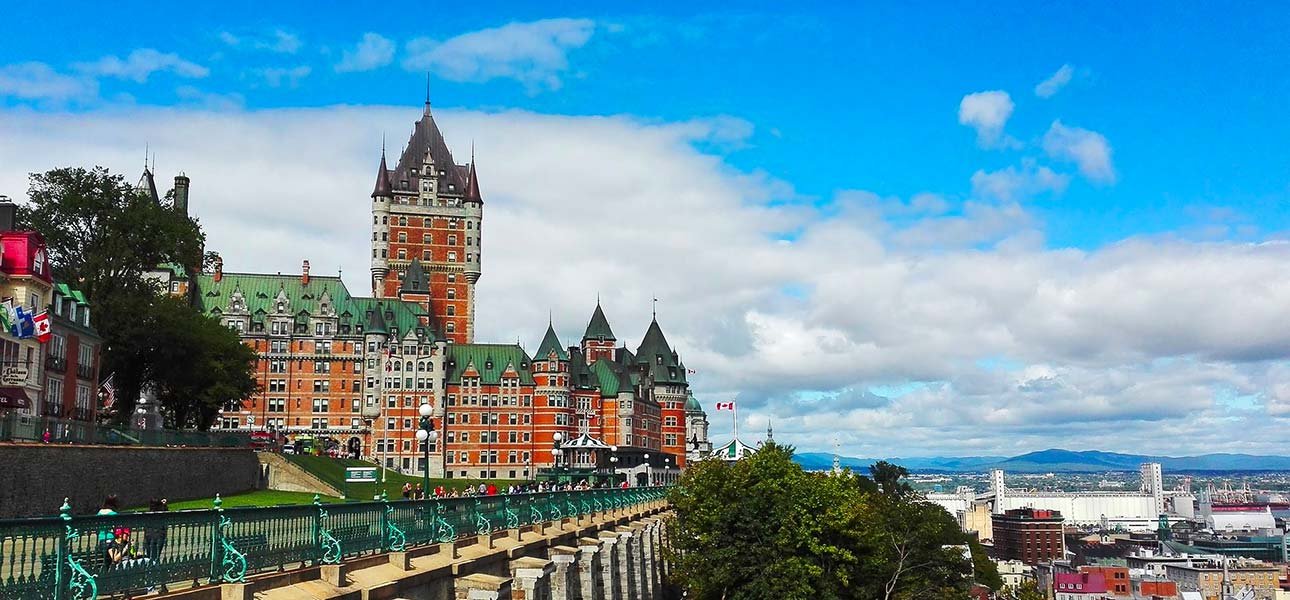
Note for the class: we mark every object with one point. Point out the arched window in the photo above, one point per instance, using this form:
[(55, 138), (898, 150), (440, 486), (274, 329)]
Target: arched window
[(452, 294), (403, 221), (409, 366), (385, 220)]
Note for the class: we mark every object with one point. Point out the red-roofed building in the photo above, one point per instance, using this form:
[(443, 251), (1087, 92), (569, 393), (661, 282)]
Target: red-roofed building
[(1079, 586)]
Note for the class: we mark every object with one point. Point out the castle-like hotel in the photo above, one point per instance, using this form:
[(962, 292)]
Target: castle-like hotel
[(357, 368)]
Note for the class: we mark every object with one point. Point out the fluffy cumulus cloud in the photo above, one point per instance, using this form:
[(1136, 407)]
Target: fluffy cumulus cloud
[(1087, 149), (987, 113), (534, 53), (279, 41), (288, 76), (142, 63), (918, 326), (1012, 183), (39, 81), (1055, 82), (371, 52)]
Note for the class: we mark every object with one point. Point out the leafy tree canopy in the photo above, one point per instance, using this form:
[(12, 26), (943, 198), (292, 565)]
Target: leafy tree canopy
[(103, 237), (762, 528)]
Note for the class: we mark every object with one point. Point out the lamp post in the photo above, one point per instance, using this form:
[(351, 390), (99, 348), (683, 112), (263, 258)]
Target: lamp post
[(648, 471), (556, 452), (426, 435), (669, 466)]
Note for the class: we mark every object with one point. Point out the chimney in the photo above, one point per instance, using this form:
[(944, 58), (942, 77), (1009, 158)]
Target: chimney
[(8, 213), (304, 273), (219, 269), (181, 193)]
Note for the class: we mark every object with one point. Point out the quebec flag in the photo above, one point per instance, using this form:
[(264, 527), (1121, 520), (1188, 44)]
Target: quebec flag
[(23, 325)]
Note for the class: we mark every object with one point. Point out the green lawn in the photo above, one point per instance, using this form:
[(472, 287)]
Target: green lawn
[(259, 498), (332, 471)]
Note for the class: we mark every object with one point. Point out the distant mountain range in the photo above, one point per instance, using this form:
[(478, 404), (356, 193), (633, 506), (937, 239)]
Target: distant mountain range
[(1056, 460)]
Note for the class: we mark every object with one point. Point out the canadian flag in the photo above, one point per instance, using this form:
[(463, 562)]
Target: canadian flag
[(725, 406), (41, 321)]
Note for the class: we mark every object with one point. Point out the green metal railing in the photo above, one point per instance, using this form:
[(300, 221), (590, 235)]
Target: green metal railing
[(24, 428), (67, 557)]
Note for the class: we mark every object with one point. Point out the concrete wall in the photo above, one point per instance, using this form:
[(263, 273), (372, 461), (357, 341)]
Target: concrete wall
[(283, 475), (36, 477)]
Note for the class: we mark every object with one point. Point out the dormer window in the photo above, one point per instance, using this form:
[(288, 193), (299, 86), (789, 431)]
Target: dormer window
[(488, 365)]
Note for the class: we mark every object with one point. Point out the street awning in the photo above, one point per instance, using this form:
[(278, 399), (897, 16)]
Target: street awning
[(14, 397)]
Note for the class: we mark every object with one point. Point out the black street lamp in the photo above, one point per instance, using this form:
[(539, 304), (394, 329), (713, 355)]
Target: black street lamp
[(555, 448), (426, 435)]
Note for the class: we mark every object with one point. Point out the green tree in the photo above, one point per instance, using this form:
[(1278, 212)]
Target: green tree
[(103, 236), (1029, 590), (764, 528), (889, 477)]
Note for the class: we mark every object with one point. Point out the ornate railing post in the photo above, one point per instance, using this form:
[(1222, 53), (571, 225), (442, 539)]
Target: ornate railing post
[(512, 519), (328, 546), (71, 580), (394, 538), (228, 565), (482, 525), (553, 506), (535, 513), (444, 531)]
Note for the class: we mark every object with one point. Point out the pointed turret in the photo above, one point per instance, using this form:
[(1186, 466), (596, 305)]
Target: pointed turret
[(415, 280), (148, 185), (384, 188), (472, 184), (376, 320), (598, 328), (655, 352), (550, 343)]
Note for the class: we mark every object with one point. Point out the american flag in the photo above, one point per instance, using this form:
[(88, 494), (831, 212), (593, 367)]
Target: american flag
[(109, 392)]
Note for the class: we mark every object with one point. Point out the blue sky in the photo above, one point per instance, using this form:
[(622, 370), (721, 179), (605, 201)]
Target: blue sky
[(1158, 151), (842, 96)]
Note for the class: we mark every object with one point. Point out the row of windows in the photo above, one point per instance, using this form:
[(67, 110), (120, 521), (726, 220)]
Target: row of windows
[(402, 254), (414, 222)]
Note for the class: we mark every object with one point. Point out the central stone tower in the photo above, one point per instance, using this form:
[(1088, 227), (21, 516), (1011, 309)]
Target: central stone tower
[(428, 208)]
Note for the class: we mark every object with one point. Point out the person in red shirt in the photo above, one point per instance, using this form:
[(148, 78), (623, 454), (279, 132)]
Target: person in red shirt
[(492, 490)]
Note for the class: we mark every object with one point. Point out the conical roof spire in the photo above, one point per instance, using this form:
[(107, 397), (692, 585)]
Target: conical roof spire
[(415, 280), (550, 343), (383, 187), (376, 322), (598, 328), (472, 182), (427, 110)]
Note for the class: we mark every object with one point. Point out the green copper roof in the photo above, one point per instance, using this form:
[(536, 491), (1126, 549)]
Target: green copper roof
[(491, 360), (177, 270), (613, 380), (692, 405), (598, 328), (550, 343), (415, 280), (655, 351), (260, 293), (580, 374)]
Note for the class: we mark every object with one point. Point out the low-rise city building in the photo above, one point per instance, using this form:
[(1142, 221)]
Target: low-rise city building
[(1029, 535), (1214, 577)]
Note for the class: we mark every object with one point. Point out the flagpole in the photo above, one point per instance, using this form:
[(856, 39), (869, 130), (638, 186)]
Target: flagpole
[(734, 411)]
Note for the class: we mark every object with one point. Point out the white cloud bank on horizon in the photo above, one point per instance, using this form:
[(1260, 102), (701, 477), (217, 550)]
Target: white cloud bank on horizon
[(958, 332)]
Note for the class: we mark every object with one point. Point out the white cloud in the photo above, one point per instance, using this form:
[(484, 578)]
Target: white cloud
[(1088, 149), (987, 113), (194, 97), (373, 51), (993, 346), (142, 63), (288, 76), (278, 40), (39, 81), (1013, 184), (533, 53), (1049, 87)]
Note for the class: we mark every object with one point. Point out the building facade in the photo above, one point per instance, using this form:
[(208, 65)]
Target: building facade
[(71, 359), (357, 368), (1029, 535)]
